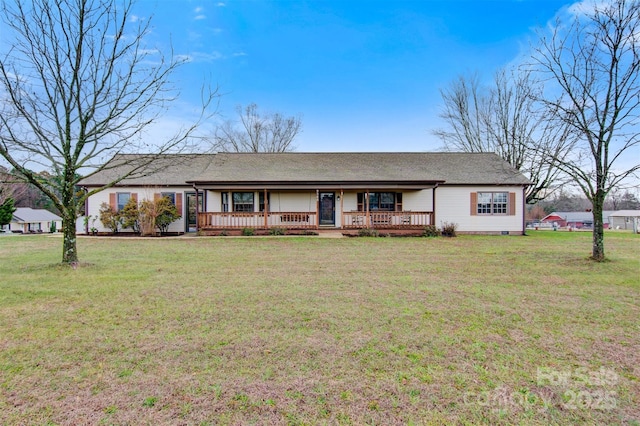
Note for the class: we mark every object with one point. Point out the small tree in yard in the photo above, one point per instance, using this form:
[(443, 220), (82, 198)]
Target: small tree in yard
[(110, 218), (130, 215), (592, 71), (80, 83)]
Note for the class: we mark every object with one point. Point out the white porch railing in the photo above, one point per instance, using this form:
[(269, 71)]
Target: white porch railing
[(257, 220), (386, 220)]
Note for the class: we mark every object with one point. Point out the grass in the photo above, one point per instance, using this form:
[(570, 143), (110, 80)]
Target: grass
[(469, 330)]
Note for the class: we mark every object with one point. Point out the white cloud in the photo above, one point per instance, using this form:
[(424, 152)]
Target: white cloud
[(185, 58), (200, 57), (236, 54), (587, 7), (221, 4), (200, 17), (148, 51), (198, 9), (134, 18)]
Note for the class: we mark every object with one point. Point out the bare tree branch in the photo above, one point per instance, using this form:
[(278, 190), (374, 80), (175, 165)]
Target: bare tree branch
[(257, 133), (505, 119), (592, 70), (78, 85)]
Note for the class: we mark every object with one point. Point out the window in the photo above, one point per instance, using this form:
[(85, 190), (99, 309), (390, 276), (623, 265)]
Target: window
[(225, 201), (122, 200), (380, 201), (261, 200), (170, 195), (492, 203), (243, 201)]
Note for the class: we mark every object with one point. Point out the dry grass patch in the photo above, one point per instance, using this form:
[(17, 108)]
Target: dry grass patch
[(306, 331)]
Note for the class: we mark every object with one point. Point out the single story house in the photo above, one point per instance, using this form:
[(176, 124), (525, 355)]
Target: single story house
[(625, 219), (28, 220), (479, 192), (573, 220)]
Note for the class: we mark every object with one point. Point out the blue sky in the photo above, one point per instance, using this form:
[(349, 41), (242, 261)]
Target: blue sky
[(364, 75)]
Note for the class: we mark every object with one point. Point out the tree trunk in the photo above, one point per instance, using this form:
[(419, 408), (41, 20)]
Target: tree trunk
[(69, 249), (598, 227)]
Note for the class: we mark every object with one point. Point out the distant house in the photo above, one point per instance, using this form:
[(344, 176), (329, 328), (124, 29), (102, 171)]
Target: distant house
[(625, 219), (573, 220), (479, 192), (26, 219)]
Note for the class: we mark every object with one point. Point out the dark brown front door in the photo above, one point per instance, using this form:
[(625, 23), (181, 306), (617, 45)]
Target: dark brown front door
[(190, 223), (327, 208)]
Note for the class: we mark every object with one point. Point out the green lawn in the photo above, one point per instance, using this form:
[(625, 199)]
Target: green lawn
[(304, 330)]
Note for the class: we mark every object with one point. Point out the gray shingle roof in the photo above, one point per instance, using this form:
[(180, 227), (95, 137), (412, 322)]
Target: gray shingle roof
[(626, 213), (29, 215), (165, 170), (451, 168)]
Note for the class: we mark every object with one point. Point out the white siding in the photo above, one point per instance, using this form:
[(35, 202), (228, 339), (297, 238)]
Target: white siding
[(350, 202), (295, 201), (453, 205), (419, 201), (213, 201)]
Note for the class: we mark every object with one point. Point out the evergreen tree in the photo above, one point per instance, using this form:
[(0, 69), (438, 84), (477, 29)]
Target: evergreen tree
[(6, 211)]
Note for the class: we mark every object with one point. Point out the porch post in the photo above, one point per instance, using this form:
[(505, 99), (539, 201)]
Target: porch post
[(197, 212), (86, 212), (317, 208), (266, 210), (524, 210), (367, 208), (433, 205), (341, 208)]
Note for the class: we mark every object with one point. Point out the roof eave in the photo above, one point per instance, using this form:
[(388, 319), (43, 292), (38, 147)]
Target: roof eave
[(274, 184)]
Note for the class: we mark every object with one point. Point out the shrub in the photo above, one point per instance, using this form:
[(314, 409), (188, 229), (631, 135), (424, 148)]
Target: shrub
[(147, 217), (277, 231), (449, 229), (157, 214), (223, 233), (167, 214), (367, 232), (247, 232), (430, 231), (130, 215), (109, 217)]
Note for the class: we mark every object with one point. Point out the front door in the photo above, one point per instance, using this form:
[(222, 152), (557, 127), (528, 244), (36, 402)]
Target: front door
[(191, 210), (327, 208)]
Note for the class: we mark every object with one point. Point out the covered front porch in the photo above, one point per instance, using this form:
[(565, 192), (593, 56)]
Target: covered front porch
[(327, 208), (309, 220)]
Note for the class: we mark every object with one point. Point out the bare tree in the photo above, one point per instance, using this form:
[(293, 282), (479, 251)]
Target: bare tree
[(257, 133), (505, 118), (78, 85), (619, 199), (593, 75)]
